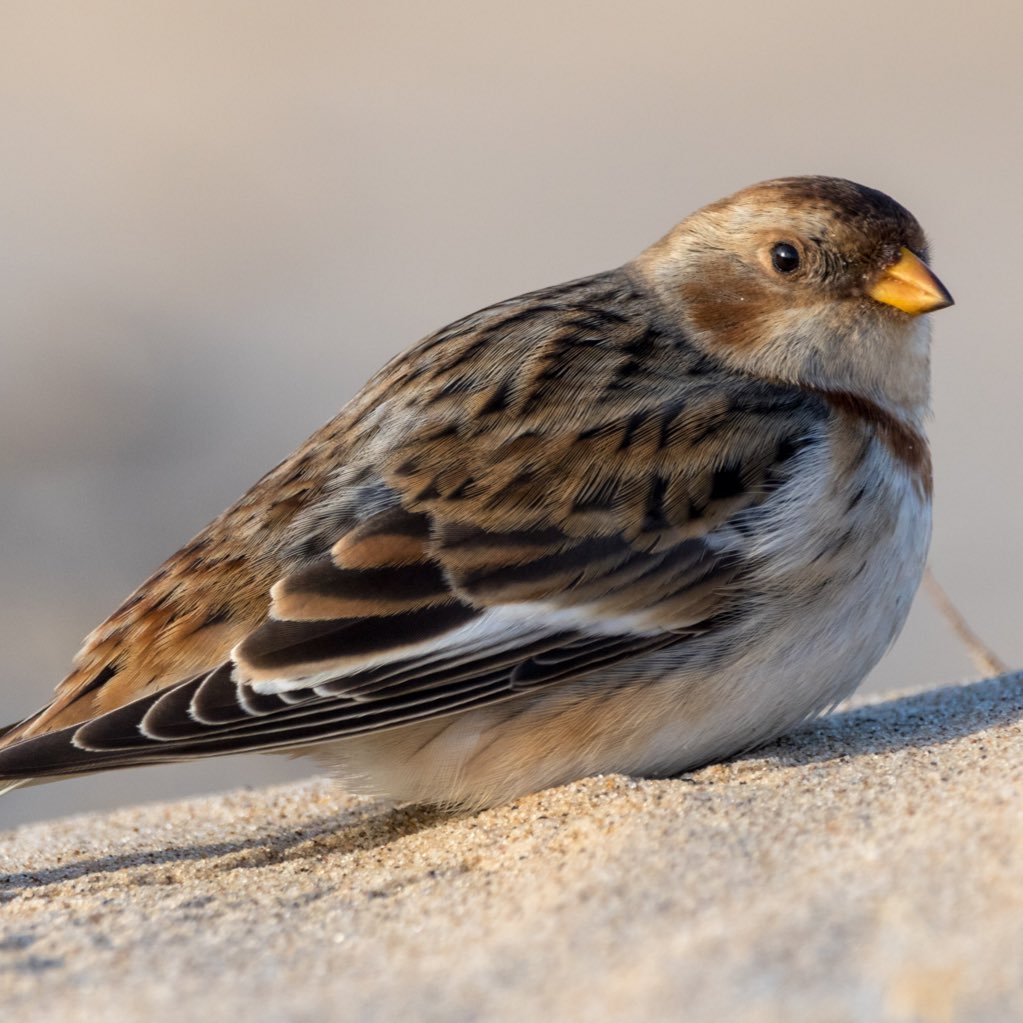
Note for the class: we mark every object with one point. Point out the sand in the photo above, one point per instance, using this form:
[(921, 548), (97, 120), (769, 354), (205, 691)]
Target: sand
[(867, 868)]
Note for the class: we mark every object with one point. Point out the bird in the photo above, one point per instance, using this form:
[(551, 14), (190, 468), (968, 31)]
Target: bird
[(634, 523)]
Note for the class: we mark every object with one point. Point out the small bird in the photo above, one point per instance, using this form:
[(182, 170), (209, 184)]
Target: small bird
[(633, 523)]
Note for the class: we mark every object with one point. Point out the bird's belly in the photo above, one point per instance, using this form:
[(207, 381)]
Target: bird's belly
[(837, 588), (817, 638), (829, 607)]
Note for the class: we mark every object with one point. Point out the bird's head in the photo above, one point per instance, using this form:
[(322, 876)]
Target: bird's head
[(813, 281)]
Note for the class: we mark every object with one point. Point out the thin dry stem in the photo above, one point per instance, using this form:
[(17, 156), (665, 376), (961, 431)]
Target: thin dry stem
[(982, 655)]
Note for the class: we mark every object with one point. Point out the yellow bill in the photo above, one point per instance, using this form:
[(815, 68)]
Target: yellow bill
[(909, 285)]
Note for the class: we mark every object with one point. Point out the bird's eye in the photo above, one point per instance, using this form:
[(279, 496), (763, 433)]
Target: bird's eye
[(784, 257)]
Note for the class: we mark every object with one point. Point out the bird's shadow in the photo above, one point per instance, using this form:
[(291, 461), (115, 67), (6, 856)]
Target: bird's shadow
[(351, 830), (918, 721), (922, 720)]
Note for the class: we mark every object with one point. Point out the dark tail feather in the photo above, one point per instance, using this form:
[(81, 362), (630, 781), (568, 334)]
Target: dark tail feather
[(7, 729)]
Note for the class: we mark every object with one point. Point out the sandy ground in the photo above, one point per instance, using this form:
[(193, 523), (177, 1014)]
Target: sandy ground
[(868, 868)]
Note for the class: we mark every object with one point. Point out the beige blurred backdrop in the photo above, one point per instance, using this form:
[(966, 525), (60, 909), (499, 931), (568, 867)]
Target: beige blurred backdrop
[(216, 219)]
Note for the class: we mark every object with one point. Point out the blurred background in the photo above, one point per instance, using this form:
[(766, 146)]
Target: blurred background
[(217, 219)]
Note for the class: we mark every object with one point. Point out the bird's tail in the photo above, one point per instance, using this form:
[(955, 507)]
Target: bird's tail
[(10, 784)]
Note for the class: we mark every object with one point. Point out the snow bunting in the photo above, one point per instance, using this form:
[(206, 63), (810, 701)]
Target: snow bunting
[(634, 523)]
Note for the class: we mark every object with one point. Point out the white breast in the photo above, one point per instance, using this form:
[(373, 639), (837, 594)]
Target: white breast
[(839, 584)]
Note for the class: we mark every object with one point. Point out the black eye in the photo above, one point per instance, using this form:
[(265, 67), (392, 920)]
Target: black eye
[(784, 257)]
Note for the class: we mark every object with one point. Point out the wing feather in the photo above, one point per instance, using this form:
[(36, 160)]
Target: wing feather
[(532, 521)]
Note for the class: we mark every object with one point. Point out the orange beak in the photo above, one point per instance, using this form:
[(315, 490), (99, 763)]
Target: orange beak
[(909, 285)]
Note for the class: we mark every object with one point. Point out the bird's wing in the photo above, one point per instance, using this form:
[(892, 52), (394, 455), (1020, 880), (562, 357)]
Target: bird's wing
[(491, 562)]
